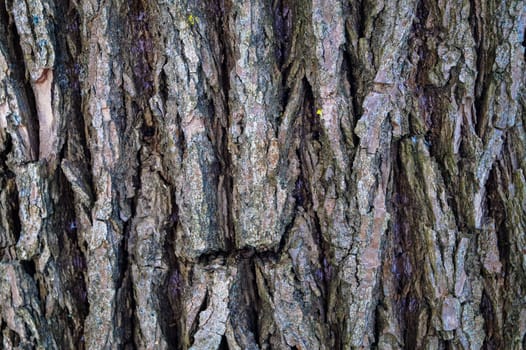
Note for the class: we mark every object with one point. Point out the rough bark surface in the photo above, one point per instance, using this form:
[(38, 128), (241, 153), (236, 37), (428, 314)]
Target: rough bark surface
[(183, 174)]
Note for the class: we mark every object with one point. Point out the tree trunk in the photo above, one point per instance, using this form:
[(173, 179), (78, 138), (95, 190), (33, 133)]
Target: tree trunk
[(262, 174)]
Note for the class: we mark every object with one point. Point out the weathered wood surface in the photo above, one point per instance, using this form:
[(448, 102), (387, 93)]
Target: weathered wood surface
[(262, 174)]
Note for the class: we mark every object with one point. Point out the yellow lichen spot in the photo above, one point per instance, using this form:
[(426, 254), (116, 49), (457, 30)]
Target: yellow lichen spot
[(192, 20), (318, 112)]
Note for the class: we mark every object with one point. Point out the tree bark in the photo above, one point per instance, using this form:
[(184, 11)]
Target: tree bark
[(224, 174)]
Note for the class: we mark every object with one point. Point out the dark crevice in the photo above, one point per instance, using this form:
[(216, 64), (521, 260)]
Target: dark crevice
[(225, 192), (353, 67), (405, 253), (218, 15), (285, 236), (179, 137), (481, 115), (361, 19), (68, 75), (425, 92), (215, 256), (14, 208), (432, 103), (338, 332), (228, 185), (141, 46), (475, 20), (163, 86), (283, 19), (311, 129), (227, 64), (356, 99), (485, 47), (498, 212), (137, 40), (301, 191), (68, 72), (123, 257), (171, 311), (285, 90), (356, 16), (379, 323), (76, 146), (126, 317), (325, 266), (244, 302), (257, 306), (482, 84), (129, 329), (476, 25), (71, 259), (224, 344), (29, 267), (410, 308), (4, 24), (209, 256), (491, 327), (11, 336)]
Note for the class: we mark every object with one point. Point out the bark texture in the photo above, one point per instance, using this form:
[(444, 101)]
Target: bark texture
[(286, 174)]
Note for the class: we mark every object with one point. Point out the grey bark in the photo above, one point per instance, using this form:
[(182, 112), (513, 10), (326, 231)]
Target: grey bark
[(262, 174)]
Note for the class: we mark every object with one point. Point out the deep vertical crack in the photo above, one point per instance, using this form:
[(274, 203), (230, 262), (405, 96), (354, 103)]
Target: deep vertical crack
[(171, 311)]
